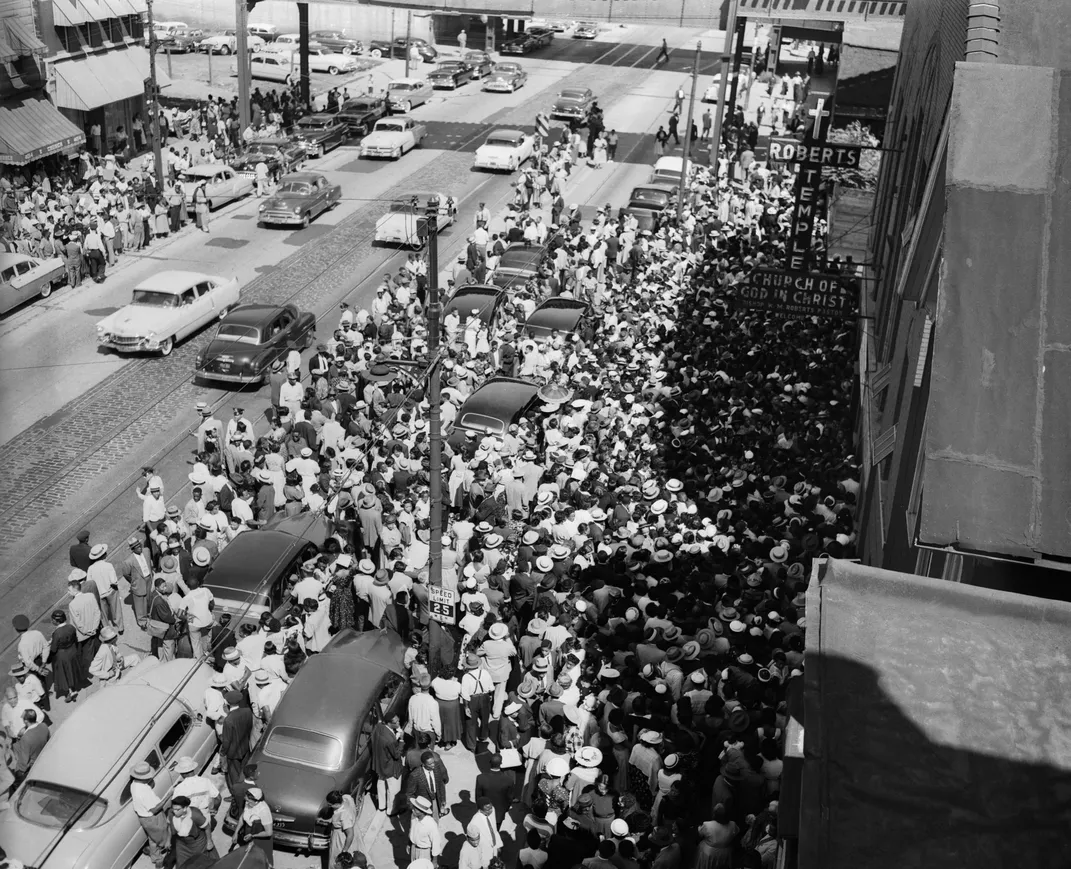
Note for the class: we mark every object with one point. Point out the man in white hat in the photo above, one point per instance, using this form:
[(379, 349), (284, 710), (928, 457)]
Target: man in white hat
[(103, 575), (425, 837), (150, 812), (203, 795)]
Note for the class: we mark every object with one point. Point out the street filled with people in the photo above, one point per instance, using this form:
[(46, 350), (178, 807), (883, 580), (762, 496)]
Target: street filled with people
[(628, 555)]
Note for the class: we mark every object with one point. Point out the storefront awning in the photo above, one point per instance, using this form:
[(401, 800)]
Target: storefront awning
[(99, 79), (18, 39), (936, 725), (32, 128)]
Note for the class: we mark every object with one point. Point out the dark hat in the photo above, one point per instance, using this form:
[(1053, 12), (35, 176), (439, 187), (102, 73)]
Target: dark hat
[(83, 535), (233, 698), (20, 623)]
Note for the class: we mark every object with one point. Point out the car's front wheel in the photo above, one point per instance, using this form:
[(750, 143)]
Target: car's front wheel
[(224, 50), (407, 107), (334, 70), (397, 153), (167, 346), (288, 81), (348, 49), (305, 220), (375, 52), (46, 290)]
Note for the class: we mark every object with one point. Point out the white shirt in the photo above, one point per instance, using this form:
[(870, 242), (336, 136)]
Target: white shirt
[(143, 798), (196, 604), (200, 791)]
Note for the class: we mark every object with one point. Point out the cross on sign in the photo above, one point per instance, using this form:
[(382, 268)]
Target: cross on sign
[(819, 112)]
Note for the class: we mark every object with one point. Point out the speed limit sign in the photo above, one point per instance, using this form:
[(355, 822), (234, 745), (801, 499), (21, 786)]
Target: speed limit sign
[(442, 604)]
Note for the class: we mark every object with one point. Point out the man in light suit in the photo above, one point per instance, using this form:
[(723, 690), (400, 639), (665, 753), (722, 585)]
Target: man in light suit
[(137, 570)]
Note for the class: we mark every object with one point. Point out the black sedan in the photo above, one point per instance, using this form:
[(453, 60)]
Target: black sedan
[(573, 104), (337, 40), (320, 133), (480, 61), (250, 339), (542, 36), (520, 45), (319, 737), (493, 408), (483, 299), (361, 113), (400, 46), (450, 74), (519, 264), (279, 155), (557, 315)]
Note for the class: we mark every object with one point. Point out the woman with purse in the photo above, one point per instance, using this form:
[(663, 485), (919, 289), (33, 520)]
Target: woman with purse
[(255, 824)]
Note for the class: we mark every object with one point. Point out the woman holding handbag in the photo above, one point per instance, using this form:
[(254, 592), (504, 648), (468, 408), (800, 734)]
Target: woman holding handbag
[(255, 824)]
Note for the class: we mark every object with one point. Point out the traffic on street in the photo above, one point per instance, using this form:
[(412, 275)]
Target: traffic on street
[(397, 481)]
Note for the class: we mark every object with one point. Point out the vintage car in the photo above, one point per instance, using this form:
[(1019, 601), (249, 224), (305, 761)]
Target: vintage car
[(407, 220), (73, 810), (299, 198), (181, 41), (321, 59), (493, 408), (400, 47), (267, 32), (543, 36), (520, 44), (280, 67), (227, 43), (479, 61), (222, 184), (555, 315), (393, 137), (337, 40), (667, 170), (279, 155), (24, 277), (586, 30), (360, 114), (405, 94), (519, 264), (256, 576), (573, 104), (505, 78), (319, 737), (289, 42), (450, 74), (505, 150), (648, 201), (250, 339), (483, 300), (320, 133), (166, 308)]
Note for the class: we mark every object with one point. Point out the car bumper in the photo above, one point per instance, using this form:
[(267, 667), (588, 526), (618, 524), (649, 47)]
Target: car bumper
[(300, 841), (499, 86), (379, 152), (280, 218), (568, 114), (225, 377), (442, 83), (496, 165), (130, 345)]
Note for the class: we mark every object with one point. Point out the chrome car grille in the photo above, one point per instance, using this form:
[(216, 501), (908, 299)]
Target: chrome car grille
[(280, 215), (126, 341)]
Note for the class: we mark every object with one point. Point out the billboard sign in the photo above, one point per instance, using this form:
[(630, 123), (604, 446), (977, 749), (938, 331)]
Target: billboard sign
[(798, 294), (829, 154)]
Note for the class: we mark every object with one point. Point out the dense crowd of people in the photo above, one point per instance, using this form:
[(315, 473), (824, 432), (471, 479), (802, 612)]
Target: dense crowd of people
[(628, 561)]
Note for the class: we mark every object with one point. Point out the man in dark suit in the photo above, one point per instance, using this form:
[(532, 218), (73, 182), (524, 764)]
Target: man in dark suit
[(234, 740), (79, 554), (30, 744), (387, 764), (429, 780), (498, 786)]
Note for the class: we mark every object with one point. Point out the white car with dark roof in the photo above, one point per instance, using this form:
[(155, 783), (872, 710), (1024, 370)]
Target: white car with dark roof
[(505, 150)]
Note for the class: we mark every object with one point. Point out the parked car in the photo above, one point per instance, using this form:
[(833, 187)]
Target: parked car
[(181, 41), (519, 264), (450, 74), (300, 197), (405, 94), (586, 30), (400, 47), (667, 170), (250, 339), (323, 59), (505, 78), (73, 810), (337, 40), (286, 42), (257, 574), (227, 43), (405, 223), (319, 737), (24, 277), (555, 315), (648, 201), (279, 155), (505, 150), (483, 299), (279, 67), (520, 44), (573, 104), (361, 113), (164, 309), (267, 32), (479, 61), (493, 408), (320, 133), (393, 137), (543, 36), (222, 184)]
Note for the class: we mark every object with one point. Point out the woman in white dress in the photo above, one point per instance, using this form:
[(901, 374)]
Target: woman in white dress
[(599, 154)]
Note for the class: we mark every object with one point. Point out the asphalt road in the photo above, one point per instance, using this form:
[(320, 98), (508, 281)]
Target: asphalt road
[(79, 424)]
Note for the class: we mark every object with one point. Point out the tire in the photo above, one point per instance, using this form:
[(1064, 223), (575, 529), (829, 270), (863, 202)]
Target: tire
[(397, 155), (407, 107), (224, 50), (320, 151), (512, 165), (224, 312), (333, 70), (305, 221), (375, 52), (166, 347), (288, 81), (348, 49), (47, 289)]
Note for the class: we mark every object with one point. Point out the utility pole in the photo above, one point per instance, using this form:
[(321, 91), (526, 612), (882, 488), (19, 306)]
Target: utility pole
[(726, 58), (408, 36), (241, 38), (688, 134), (738, 59), (154, 92), (435, 456), (303, 55)]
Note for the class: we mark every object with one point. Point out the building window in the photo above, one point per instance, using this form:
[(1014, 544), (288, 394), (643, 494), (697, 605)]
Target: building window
[(91, 35), (135, 27)]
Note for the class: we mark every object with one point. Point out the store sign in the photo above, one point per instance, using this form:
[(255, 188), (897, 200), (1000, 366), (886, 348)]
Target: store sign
[(442, 604), (824, 154), (797, 294)]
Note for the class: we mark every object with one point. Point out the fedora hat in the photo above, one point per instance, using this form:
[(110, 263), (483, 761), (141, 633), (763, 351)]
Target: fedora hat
[(421, 804), (142, 771), (536, 626)]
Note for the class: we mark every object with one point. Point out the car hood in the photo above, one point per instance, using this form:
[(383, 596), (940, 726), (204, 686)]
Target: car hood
[(137, 320), (381, 138), (298, 791), (443, 73), (354, 115), (284, 201), (501, 76), (312, 135), (249, 161)]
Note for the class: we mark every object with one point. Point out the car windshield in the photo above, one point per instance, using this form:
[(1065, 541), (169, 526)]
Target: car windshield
[(390, 127), (262, 151), (295, 188), (154, 299), (55, 806), (304, 746), (503, 141), (400, 86), (572, 95), (310, 124), (357, 106), (236, 332), (479, 422), (505, 68), (652, 197)]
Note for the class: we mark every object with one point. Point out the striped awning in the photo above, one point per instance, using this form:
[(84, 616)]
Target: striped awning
[(32, 128), (100, 79), (20, 39)]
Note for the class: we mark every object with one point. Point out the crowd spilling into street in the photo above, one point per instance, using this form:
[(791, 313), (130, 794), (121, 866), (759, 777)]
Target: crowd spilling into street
[(629, 560)]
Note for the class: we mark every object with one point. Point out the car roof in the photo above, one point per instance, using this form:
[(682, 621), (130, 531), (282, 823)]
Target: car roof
[(409, 80), (319, 116), (674, 163), (519, 252), (577, 91), (314, 701), (174, 281), (477, 293), (505, 131), (557, 315), (250, 557), (115, 716), (9, 259), (301, 176), (252, 315), (205, 169), (277, 142), (510, 393)]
